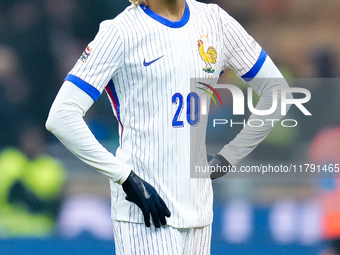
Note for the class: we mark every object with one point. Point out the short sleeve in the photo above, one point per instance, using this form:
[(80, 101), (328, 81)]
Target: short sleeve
[(99, 61), (241, 52)]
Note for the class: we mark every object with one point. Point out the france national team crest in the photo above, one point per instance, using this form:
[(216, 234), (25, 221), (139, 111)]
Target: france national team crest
[(86, 54), (209, 56)]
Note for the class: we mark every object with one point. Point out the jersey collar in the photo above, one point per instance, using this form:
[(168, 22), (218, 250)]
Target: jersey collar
[(173, 24)]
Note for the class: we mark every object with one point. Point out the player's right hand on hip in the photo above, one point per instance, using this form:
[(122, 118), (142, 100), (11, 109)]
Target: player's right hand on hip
[(147, 199)]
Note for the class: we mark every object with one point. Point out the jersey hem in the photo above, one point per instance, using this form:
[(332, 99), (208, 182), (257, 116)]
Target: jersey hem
[(168, 225)]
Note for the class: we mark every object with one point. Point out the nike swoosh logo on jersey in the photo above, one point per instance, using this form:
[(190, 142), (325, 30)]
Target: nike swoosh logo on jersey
[(151, 62)]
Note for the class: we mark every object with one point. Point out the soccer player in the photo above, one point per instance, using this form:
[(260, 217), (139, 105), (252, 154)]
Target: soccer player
[(144, 60)]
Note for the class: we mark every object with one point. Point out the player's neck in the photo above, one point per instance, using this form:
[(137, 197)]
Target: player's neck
[(170, 9)]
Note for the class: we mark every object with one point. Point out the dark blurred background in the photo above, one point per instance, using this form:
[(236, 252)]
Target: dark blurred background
[(49, 200)]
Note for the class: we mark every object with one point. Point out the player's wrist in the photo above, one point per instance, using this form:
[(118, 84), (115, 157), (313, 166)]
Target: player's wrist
[(125, 175), (220, 166), (223, 160), (228, 152), (129, 178)]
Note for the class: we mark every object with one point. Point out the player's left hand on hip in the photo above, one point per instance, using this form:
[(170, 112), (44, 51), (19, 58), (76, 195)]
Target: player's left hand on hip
[(221, 166), (147, 199)]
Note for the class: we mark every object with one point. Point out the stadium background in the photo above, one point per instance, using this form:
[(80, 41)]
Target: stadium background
[(40, 40)]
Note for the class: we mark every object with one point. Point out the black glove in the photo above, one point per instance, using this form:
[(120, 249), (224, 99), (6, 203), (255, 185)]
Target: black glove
[(146, 197), (222, 163)]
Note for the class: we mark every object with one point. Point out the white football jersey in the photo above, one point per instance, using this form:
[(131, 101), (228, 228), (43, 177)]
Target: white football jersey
[(145, 63)]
